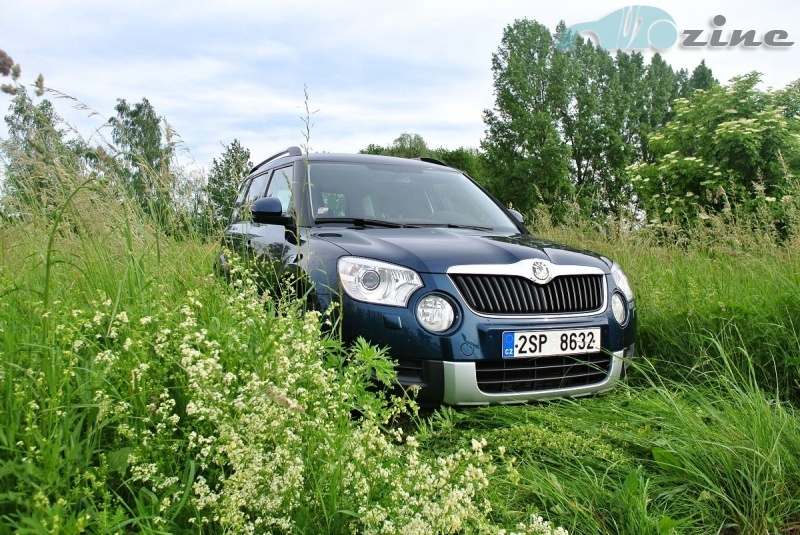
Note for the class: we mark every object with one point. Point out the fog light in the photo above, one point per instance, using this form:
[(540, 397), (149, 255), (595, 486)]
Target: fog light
[(435, 313), (620, 308)]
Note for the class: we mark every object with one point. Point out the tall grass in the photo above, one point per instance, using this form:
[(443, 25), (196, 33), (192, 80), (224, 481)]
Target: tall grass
[(713, 454), (729, 280), (142, 394)]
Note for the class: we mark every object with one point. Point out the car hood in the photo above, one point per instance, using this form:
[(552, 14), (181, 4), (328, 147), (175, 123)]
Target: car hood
[(434, 250)]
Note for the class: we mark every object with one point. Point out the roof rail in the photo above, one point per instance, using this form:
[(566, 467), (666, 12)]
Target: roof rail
[(290, 151), (431, 160)]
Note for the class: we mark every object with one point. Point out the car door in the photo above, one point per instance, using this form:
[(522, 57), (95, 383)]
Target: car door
[(238, 234), (267, 247)]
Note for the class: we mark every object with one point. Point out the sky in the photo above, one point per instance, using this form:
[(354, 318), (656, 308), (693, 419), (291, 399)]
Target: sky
[(371, 70)]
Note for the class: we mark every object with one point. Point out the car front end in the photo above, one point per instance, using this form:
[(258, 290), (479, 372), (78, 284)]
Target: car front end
[(426, 263), (486, 333)]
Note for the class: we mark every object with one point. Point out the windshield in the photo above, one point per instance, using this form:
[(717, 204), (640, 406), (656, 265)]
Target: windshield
[(405, 195)]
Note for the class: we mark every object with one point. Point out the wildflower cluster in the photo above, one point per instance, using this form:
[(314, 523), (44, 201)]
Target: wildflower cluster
[(227, 409)]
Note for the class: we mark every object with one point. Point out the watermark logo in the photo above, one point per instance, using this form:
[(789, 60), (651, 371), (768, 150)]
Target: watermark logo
[(648, 27), (629, 28)]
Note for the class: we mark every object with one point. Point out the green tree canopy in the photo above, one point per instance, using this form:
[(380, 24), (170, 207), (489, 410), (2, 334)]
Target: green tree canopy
[(471, 161), (568, 121), (529, 161), (725, 148), (139, 137), (224, 178), (702, 78), (405, 146)]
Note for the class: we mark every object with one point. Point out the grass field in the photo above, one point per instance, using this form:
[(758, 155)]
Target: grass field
[(141, 394)]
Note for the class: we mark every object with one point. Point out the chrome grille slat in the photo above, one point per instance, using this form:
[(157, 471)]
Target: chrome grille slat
[(546, 298), (529, 295), (562, 295), (587, 290), (509, 294), (569, 295), (516, 294)]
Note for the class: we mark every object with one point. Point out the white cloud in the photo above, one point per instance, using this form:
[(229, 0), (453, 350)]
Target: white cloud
[(373, 69)]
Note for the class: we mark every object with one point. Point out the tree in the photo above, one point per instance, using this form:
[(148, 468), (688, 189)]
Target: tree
[(702, 78), (224, 178), (788, 99), (409, 146), (593, 128), (471, 161), (372, 148), (137, 132), (528, 160), (569, 120), (39, 156), (725, 149), (405, 146)]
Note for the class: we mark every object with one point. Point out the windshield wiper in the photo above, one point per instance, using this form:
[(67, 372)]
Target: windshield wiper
[(363, 222), (453, 225)]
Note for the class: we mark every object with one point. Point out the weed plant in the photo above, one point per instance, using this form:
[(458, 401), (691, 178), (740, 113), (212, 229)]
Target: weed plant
[(140, 393), (718, 454)]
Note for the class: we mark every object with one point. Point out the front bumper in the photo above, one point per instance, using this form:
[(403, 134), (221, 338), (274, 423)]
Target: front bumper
[(469, 383), (460, 385)]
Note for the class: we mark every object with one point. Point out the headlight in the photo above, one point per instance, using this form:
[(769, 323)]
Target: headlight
[(435, 313), (622, 281), (377, 282)]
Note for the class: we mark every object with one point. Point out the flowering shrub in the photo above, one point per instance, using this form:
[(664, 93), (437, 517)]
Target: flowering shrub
[(731, 151), (219, 408)]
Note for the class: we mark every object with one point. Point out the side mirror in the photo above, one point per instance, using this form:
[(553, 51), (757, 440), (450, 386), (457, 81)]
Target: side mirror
[(517, 215), (268, 210)]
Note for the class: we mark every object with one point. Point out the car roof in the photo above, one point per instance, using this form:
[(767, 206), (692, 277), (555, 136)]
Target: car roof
[(294, 154)]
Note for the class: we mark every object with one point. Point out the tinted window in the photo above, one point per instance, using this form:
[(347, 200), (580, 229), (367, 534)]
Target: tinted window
[(257, 187), (237, 206), (403, 194), (281, 187)]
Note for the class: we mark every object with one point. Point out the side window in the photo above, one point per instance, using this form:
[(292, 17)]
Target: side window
[(257, 188), (254, 192), (242, 191), (281, 187), (236, 213)]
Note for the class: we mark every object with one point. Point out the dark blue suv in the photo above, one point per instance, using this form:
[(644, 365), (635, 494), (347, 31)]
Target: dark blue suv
[(424, 261)]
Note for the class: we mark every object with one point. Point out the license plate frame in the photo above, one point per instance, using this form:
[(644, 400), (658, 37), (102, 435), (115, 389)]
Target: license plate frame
[(550, 343)]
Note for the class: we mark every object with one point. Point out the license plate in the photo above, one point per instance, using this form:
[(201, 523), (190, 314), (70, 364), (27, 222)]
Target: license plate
[(550, 343)]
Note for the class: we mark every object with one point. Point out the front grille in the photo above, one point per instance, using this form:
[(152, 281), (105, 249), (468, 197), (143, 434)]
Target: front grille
[(508, 294), (541, 373)]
